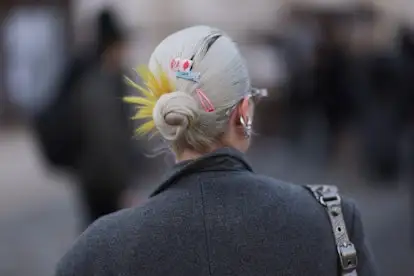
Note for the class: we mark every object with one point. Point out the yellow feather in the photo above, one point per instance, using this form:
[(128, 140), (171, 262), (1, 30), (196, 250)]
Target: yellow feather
[(150, 80), (146, 128), (139, 100), (144, 91), (143, 113), (155, 85), (166, 85)]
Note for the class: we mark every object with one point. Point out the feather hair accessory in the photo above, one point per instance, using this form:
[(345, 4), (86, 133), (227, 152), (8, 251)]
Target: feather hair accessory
[(155, 84)]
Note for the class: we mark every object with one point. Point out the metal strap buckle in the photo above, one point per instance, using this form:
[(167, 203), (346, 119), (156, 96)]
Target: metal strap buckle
[(330, 198), (348, 256), (327, 195)]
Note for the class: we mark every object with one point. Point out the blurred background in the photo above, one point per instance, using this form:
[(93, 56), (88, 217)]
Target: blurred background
[(340, 111)]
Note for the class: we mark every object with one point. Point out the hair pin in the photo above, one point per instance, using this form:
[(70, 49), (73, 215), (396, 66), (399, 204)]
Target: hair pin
[(191, 76), (205, 102), (181, 65), (182, 69)]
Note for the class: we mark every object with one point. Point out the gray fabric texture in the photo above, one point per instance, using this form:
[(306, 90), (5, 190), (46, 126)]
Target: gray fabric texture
[(215, 216)]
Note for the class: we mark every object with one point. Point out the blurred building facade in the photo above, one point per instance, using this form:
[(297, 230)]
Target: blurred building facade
[(35, 36), (149, 21)]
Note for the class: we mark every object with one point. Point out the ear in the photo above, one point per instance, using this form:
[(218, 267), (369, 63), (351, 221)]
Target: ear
[(244, 109), (241, 112)]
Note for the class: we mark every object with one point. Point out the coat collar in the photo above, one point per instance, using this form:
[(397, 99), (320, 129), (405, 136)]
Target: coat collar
[(224, 159)]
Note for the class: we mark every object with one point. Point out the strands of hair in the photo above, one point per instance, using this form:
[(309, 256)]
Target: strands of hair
[(156, 84)]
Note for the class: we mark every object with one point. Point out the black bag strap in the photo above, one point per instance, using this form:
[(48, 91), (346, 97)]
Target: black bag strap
[(329, 198)]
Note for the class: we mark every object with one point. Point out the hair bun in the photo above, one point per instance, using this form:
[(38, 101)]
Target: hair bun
[(173, 114)]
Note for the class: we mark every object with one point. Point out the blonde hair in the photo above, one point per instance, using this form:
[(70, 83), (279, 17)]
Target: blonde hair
[(170, 104)]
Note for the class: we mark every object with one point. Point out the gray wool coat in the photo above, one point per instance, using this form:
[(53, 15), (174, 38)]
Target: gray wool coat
[(215, 216)]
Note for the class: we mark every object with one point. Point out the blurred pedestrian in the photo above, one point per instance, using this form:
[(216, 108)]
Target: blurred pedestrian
[(213, 215), (331, 93), (407, 103), (87, 131), (105, 162)]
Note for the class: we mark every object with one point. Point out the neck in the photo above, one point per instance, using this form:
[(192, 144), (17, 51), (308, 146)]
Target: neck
[(187, 155)]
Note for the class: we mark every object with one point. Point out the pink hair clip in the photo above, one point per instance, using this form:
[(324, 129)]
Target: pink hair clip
[(205, 102), (181, 65)]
